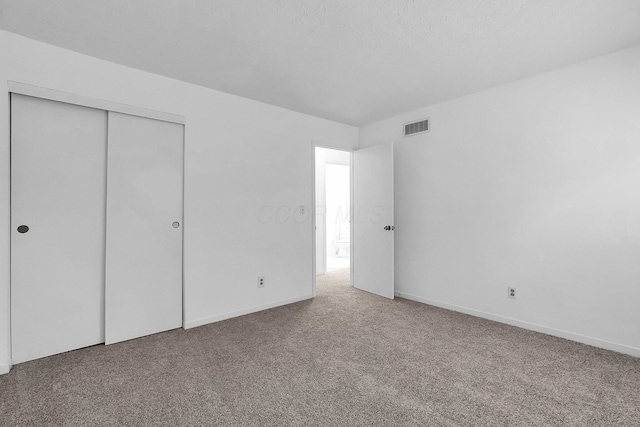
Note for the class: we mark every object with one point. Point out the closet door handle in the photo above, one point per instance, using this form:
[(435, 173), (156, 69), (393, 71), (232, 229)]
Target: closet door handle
[(175, 224), (23, 229)]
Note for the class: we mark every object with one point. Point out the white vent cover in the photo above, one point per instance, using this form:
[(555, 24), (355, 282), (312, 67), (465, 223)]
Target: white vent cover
[(416, 127)]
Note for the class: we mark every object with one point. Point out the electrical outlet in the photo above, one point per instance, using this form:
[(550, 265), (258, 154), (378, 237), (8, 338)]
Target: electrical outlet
[(511, 293), (261, 281)]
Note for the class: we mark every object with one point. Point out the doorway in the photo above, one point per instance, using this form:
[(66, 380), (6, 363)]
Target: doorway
[(333, 211)]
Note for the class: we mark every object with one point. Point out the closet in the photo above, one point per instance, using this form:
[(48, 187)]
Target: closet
[(96, 217)]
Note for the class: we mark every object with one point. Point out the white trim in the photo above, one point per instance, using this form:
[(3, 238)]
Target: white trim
[(184, 179), (100, 104), (596, 342), (242, 312), (351, 218), (4, 369), (314, 232), (393, 218)]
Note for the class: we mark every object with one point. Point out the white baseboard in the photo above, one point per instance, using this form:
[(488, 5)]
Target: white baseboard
[(242, 312), (4, 369), (596, 342)]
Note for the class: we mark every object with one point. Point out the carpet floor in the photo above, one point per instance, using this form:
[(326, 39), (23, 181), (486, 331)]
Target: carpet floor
[(345, 358)]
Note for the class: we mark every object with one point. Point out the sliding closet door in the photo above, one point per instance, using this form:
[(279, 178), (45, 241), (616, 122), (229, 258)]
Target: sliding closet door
[(144, 227), (58, 181)]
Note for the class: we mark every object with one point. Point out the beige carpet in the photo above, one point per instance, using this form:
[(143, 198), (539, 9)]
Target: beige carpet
[(346, 358)]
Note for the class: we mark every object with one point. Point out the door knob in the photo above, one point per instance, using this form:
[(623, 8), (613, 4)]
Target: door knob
[(23, 229), (387, 227), (175, 224)]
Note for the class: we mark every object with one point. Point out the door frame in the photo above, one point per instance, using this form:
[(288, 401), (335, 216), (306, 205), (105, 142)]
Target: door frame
[(314, 145), (100, 104)]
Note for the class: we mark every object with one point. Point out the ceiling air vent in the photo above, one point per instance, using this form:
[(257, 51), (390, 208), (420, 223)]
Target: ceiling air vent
[(416, 127)]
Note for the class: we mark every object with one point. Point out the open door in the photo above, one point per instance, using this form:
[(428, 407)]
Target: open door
[(373, 220)]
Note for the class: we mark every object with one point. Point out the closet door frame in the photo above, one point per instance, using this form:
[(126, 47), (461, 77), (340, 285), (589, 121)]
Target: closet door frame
[(101, 104)]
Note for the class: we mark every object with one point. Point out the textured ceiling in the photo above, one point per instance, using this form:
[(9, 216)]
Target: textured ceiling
[(354, 61)]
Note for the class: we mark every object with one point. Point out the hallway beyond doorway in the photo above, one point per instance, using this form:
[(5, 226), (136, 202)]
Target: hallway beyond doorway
[(333, 210)]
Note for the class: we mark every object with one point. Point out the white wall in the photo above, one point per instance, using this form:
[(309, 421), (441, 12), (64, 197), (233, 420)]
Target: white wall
[(243, 161), (536, 185)]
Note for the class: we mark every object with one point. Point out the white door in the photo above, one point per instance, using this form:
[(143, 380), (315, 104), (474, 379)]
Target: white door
[(144, 227), (58, 185), (373, 220)]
